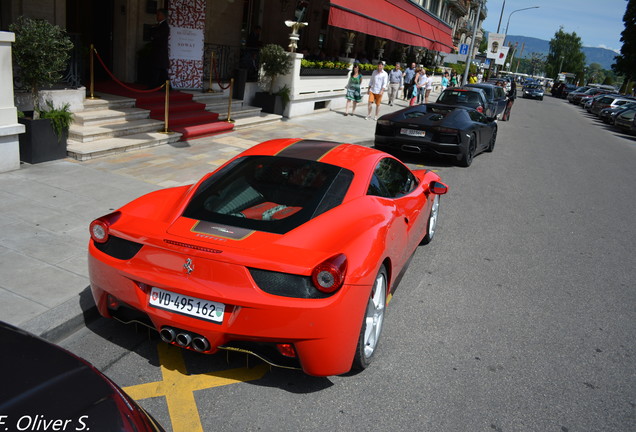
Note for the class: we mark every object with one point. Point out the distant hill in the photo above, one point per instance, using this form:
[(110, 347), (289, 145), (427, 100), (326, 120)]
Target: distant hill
[(602, 56)]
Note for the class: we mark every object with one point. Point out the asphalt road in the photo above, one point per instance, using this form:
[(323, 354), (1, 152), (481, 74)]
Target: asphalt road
[(519, 316)]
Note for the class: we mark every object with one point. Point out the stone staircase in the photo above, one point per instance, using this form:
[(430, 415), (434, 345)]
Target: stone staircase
[(112, 124)]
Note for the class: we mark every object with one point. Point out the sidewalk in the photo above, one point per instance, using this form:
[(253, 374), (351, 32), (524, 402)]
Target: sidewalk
[(45, 210)]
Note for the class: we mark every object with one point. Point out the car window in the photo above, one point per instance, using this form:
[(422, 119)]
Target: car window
[(269, 193), (391, 179), (499, 93), (477, 116)]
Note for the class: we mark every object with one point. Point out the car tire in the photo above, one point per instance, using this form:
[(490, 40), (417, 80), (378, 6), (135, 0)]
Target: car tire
[(431, 225), (469, 154), (372, 322), (491, 143)]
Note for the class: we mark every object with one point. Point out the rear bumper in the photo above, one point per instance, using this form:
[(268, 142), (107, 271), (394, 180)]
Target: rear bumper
[(418, 146), (323, 332)]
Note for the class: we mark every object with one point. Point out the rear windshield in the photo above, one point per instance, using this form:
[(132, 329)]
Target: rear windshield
[(454, 97), (269, 193)]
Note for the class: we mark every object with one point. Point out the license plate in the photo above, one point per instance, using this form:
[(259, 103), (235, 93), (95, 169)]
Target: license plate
[(186, 305), (413, 132)]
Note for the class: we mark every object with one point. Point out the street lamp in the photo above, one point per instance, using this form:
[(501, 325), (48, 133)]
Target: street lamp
[(532, 7)]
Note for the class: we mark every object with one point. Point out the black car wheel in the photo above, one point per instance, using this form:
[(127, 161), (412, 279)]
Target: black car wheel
[(467, 157), (491, 143), (372, 323)]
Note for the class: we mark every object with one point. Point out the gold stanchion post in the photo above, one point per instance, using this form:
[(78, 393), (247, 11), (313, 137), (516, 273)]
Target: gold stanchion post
[(210, 89), (92, 86), (167, 108), (229, 102)]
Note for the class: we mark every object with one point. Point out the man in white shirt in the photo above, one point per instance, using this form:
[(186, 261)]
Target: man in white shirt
[(377, 85)]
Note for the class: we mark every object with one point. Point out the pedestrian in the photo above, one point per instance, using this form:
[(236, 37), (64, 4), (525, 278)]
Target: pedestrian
[(377, 85), (409, 76), (420, 83), (353, 96), (453, 79), (512, 95), (396, 82), (445, 81), (428, 87), (413, 95), (160, 62), (472, 79)]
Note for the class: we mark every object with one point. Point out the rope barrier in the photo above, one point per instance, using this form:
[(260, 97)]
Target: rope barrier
[(121, 83), (216, 72)]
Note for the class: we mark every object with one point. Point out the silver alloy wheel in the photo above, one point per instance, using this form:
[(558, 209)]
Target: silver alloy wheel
[(432, 219), (375, 315)]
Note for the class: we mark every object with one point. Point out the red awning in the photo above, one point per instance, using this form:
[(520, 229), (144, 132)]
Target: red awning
[(397, 20)]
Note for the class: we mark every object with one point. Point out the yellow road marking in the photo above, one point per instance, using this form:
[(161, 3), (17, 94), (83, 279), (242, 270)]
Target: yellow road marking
[(178, 387)]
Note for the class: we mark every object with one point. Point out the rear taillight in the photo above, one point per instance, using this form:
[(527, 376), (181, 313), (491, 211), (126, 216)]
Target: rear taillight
[(329, 275), (480, 109), (100, 228)]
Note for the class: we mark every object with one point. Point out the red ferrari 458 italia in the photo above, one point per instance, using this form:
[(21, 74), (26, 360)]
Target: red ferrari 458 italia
[(289, 251)]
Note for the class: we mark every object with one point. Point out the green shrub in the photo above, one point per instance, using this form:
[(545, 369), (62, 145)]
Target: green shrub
[(61, 118)]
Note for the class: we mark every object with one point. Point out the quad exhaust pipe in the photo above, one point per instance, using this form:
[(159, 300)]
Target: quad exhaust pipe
[(184, 339)]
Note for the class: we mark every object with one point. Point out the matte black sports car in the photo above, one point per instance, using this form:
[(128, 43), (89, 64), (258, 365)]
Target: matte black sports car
[(456, 131), (45, 387)]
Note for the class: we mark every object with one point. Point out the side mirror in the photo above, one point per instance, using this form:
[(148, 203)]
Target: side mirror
[(438, 188)]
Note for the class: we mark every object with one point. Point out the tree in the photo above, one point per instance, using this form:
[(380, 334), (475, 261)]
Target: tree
[(565, 54), (41, 53), (537, 63), (274, 61), (626, 61), (594, 73)]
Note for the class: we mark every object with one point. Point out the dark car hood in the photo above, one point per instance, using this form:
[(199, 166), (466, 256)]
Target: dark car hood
[(41, 379)]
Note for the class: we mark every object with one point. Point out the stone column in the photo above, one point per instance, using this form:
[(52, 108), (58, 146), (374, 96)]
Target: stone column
[(9, 126)]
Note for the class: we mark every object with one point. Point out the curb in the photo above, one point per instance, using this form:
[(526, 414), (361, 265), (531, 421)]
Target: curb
[(61, 321)]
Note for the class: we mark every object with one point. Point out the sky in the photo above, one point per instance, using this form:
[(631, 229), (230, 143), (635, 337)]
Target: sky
[(598, 23)]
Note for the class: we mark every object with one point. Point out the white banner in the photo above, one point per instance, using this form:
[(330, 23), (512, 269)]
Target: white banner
[(501, 56), (495, 43)]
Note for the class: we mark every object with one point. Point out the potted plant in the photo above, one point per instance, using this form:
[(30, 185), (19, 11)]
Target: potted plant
[(45, 138), (41, 53), (275, 61)]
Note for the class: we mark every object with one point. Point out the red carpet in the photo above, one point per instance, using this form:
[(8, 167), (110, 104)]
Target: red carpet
[(185, 116)]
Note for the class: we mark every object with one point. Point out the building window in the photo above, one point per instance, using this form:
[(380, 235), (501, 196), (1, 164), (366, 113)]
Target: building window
[(433, 6)]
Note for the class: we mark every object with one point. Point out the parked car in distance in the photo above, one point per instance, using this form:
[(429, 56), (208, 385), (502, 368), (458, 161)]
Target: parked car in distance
[(608, 115), (495, 95), (45, 383), (565, 92), (625, 120), (455, 131), (578, 90), (533, 91), (576, 97), (609, 101), (469, 97)]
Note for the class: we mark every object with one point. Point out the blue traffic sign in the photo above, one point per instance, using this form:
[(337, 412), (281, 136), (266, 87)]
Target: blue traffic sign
[(463, 49)]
